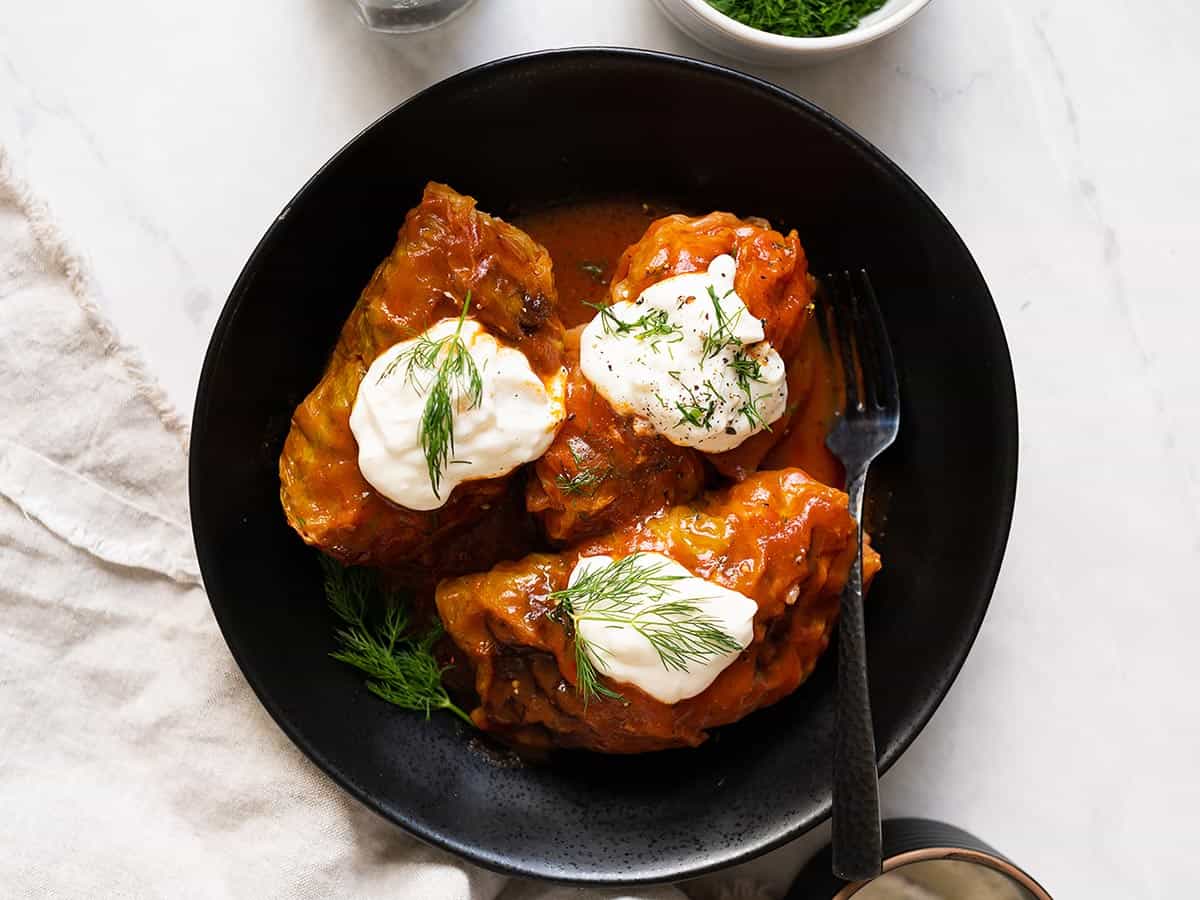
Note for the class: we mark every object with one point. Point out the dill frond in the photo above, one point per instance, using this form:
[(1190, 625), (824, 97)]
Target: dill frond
[(700, 406), (593, 269), (721, 336), (748, 371), (584, 481), (400, 667), (455, 378), (586, 478), (655, 326), (641, 596)]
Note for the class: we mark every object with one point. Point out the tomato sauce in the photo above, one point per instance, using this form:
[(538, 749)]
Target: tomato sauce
[(585, 240), (815, 388)]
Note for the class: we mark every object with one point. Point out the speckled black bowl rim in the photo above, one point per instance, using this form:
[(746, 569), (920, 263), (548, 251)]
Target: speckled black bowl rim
[(797, 825), (907, 841)]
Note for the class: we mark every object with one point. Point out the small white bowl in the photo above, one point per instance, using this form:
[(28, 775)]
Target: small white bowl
[(724, 35)]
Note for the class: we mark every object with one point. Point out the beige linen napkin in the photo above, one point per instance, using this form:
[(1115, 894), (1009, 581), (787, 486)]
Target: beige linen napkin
[(134, 759)]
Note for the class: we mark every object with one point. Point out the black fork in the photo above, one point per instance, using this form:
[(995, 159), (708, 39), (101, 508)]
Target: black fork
[(866, 427)]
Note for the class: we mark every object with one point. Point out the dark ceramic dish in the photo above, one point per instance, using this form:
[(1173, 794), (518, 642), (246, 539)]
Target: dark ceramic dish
[(543, 129), (911, 845)]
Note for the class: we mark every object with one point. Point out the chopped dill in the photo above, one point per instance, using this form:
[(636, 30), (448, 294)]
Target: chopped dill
[(698, 410), (655, 326), (586, 478), (594, 269), (753, 415), (748, 371), (798, 18), (584, 481), (722, 335), (694, 414)]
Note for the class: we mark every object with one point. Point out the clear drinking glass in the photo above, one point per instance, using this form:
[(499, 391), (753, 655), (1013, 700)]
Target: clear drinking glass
[(406, 16)]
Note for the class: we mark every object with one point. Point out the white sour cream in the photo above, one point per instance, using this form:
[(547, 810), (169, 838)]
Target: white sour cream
[(514, 423), (623, 654), (649, 358)]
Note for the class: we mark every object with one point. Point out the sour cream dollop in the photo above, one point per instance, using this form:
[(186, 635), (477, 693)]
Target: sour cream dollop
[(689, 357), (624, 654), (514, 422)]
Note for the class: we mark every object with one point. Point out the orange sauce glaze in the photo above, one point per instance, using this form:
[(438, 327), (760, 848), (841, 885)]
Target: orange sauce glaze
[(582, 237)]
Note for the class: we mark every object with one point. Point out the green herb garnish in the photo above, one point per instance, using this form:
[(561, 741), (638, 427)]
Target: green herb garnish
[(722, 335), (594, 269), (455, 378), (748, 371), (694, 414), (699, 409), (400, 666), (643, 597), (798, 18), (582, 482), (585, 480), (655, 326), (753, 415)]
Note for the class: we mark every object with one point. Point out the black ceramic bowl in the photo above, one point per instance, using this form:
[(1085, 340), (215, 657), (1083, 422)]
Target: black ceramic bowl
[(964, 865), (542, 129)]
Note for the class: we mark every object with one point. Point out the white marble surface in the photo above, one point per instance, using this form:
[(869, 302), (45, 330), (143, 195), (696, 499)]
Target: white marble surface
[(1060, 136)]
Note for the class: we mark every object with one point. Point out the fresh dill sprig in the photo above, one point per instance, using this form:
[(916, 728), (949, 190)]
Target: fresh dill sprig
[(746, 369), (748, 372), (455, 379), (399, 666), (609, 320), (655, 326), (587, 678), (722, 335), (594, 269), (798, 18), (696, 411), (753, 414), (694, 414), (644, 597), (584, 481), (586, 478)]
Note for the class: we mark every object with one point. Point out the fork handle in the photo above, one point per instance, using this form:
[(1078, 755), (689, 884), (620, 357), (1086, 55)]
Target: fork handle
[(857, 849)]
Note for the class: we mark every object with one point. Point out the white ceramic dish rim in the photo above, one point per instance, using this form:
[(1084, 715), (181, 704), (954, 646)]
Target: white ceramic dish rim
[(852, 38)]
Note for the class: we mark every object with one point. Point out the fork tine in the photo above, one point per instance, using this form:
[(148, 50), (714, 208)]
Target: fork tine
[(882, 377), (825, 320), (866, 345), (841, 312)]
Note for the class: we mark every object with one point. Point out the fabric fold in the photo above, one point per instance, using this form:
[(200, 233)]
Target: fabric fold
[(94, 519)]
